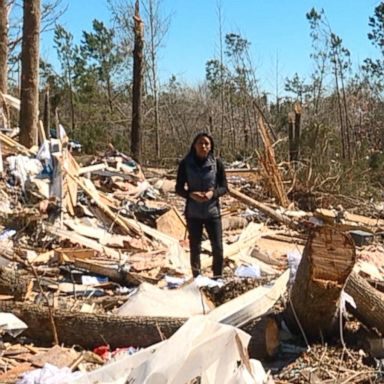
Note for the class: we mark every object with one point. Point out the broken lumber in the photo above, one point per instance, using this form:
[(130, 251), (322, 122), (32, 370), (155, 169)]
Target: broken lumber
[(172, 224), (82, 240), (262, 207), (120, 274), (328, 259), (92, 168), (128, 229)]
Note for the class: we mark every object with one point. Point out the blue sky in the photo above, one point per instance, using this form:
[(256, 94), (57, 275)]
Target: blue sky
[(277, 29)]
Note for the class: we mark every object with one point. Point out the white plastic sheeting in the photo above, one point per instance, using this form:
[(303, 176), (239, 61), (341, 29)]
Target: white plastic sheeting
[(49, 374), (23, 167), (149, 300), (201, 347), (11, 324)]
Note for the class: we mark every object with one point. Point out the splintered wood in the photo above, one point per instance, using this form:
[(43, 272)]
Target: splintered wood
[(327, 261), (271, 171)]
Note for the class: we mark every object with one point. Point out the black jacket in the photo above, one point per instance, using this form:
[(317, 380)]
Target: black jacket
[(201, 175)]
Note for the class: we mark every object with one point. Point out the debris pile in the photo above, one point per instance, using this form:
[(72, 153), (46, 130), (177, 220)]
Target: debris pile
[(94, 261)]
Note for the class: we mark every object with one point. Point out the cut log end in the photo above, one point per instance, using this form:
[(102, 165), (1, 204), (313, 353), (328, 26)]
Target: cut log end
[(331, 254), (265, 339)]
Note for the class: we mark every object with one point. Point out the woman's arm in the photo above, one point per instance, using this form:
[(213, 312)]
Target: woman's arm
[(221, 180), (181, 180)]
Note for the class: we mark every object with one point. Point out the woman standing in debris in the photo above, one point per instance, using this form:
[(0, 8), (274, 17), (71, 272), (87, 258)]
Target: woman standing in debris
[(201, 181)]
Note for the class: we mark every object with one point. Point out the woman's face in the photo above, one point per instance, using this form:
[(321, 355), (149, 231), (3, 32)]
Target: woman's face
[(203, 147)]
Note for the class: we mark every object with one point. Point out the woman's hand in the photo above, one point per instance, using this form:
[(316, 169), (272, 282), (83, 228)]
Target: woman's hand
[(201, 196), (198, 196), (208, 195)]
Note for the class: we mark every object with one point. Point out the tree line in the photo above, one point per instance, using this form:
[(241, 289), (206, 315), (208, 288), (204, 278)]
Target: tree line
[(327, 128)]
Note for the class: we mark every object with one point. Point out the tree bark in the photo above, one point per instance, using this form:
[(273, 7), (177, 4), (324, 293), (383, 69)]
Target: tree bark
[(3, 46), (327, 261), (14, 283), (291, 136), (29, 107), (369, 302), (91, 330), (136, 132), (296, 141)]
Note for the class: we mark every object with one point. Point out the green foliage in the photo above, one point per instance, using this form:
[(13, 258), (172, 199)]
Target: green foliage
[(297, 86), (100, 51), (375, 67)]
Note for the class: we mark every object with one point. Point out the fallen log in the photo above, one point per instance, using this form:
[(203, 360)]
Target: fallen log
[(265, 340), (327, 261), (91, 330), (263, 208), (369, 302)]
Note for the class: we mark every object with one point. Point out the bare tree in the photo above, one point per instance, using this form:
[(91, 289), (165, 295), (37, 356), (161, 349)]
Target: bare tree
[(3, 45), (136, 132), (157, 29), (29, 95)]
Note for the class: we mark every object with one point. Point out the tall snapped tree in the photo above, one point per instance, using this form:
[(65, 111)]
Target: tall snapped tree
[(3, 45), (136, 131), (157, 28), (29, 94)]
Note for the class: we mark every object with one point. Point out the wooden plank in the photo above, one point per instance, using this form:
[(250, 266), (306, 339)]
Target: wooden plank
[(247, 240), (351, 219), (41, 132), (92, 168), (58, 356), (6, 140), (72, 165), (12, 101), (118, 274), (171, 224), (127, 228), (280, 218), (84, 241), (106, 238), (66, 254)]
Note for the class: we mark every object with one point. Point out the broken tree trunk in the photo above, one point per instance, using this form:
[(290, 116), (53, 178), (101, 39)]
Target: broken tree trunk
[(29, 92), (327, 261), (138, 65), (262, 207), (369, 302), (270, 167)]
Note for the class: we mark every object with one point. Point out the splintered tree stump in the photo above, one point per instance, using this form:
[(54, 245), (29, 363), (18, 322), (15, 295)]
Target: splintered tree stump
[(327, 261), (265, 340), (369, 302)]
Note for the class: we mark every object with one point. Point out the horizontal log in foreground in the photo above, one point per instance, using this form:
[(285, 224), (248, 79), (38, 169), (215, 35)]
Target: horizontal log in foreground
[(91, 330)]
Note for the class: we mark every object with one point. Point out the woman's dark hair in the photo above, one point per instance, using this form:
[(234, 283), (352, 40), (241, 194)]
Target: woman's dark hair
[(197, 137)]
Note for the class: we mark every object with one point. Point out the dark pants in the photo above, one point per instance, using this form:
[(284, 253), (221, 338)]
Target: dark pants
[(214, 230)]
